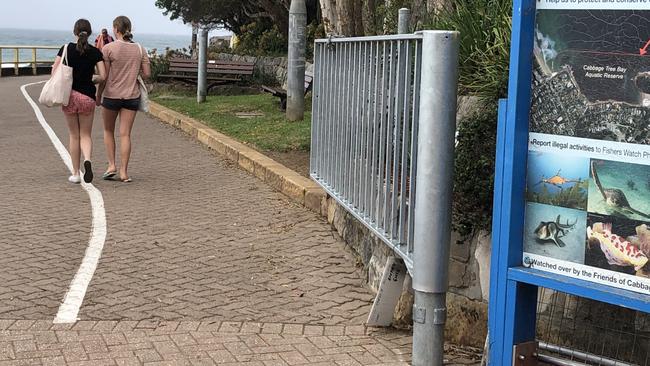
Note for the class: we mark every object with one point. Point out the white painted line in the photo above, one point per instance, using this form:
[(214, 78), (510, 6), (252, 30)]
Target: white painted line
[(69, 309)]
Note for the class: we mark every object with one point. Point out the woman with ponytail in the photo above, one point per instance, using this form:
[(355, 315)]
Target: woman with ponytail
[(80, 111), (125, 61)]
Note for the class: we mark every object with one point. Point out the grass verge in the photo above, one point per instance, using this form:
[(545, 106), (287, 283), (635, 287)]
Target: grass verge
[(253, 119)]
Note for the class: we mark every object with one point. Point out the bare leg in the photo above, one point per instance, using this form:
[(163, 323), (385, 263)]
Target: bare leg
[(85, 134), (127, 117), (75, 150), (109, 117)]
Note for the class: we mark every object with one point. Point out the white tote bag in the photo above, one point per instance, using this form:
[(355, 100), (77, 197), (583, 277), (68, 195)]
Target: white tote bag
[(144, 93), (144, 96), (57, 90)]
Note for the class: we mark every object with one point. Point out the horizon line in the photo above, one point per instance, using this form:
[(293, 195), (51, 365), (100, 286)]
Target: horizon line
[(145, 33)]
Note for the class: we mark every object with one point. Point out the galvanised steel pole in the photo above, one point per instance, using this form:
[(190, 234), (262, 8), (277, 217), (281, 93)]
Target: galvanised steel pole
[(433, 199), (296, 61), (202, 89), (403, 21)]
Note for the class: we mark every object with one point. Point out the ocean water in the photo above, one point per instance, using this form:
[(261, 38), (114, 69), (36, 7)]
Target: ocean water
[(632, 179), (59, 38), (557, 180), (574, 240), (546, 165)]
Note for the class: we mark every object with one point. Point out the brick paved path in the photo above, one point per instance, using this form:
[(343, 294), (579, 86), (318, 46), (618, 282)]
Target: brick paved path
[(197, 253)]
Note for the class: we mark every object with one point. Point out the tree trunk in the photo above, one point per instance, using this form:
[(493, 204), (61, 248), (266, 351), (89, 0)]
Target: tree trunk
[(435, 6), (194, 48), (419, 13), (330, 18), (357, 17), (369, 17), (345, 13)]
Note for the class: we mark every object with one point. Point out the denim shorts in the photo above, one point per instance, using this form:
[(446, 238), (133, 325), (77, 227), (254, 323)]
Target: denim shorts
[(117, 104)]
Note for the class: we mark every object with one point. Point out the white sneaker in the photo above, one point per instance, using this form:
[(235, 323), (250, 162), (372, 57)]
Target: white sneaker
[(74, 179)]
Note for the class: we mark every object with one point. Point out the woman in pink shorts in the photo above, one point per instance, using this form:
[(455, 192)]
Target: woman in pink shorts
[(84, 59)]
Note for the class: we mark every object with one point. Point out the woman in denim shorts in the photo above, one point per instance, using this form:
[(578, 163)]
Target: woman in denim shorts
[(125, 60)]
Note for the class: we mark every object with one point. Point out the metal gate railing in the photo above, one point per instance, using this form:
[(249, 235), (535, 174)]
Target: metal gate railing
[(366, 104), (383, 127), (589, 332)]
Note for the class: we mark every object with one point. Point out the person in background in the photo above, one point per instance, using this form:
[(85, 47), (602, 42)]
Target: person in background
[(125, 61), (80, 111), (103, 39)]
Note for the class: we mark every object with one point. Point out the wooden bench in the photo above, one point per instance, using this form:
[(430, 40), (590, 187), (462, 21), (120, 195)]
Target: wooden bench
[(282, 94), (219, 72)]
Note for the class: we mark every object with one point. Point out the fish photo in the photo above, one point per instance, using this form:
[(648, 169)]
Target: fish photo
[(555, 232), (619, 189), (618, 244), (557, 180)]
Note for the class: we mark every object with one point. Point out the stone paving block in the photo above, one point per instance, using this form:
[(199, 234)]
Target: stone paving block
[(230, 327), (293, 329), (248, 327), (53, 361), (147, 355), (293, 358), (272, 328), (188, 326), (22, 325), (169, 287), (313, 330), (222, 356)]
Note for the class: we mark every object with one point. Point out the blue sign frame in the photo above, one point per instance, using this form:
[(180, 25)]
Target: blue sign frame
[(514, 288)]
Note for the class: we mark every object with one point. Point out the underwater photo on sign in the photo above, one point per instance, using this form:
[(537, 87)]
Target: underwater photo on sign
[(555, 232), (557, 180), (618, 244), (619, 189)]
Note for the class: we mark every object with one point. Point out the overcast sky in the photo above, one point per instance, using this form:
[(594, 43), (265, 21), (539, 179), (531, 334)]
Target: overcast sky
[(61, 15)]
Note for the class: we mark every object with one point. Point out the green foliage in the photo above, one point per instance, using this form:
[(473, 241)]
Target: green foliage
[(159, 64), (267, 130), (315, 30), (387, 14), (474, 172), (261, 39), (484, 27), (259, 78)]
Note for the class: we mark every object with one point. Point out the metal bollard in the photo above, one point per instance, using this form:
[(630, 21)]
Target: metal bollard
[(296, 61), (202, 85), (437, 128), (403, 21)]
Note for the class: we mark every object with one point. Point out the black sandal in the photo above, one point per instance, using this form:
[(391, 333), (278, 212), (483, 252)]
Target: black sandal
[(88, 171)]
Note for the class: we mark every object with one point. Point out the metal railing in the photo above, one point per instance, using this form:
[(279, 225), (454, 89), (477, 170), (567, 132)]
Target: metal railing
[(588, 332), (383, 127), (32, 62), (364, 132)]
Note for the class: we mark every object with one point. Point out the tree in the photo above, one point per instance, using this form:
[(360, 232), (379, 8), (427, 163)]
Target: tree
[(233, 14), (371, 17), (343, 17)]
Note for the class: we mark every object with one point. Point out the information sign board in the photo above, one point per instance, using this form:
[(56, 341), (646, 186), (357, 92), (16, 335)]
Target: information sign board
[(587, 212)]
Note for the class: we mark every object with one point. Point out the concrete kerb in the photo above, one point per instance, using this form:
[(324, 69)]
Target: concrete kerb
[(300, 189)]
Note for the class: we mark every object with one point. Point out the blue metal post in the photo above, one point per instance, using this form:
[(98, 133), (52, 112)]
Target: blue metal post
[(512, 311)]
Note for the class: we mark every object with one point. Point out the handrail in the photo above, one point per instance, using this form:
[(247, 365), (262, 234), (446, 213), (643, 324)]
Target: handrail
[(26, 47), (33, 61)]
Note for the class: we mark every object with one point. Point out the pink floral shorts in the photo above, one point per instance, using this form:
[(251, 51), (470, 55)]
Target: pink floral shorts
[(79, 103)]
